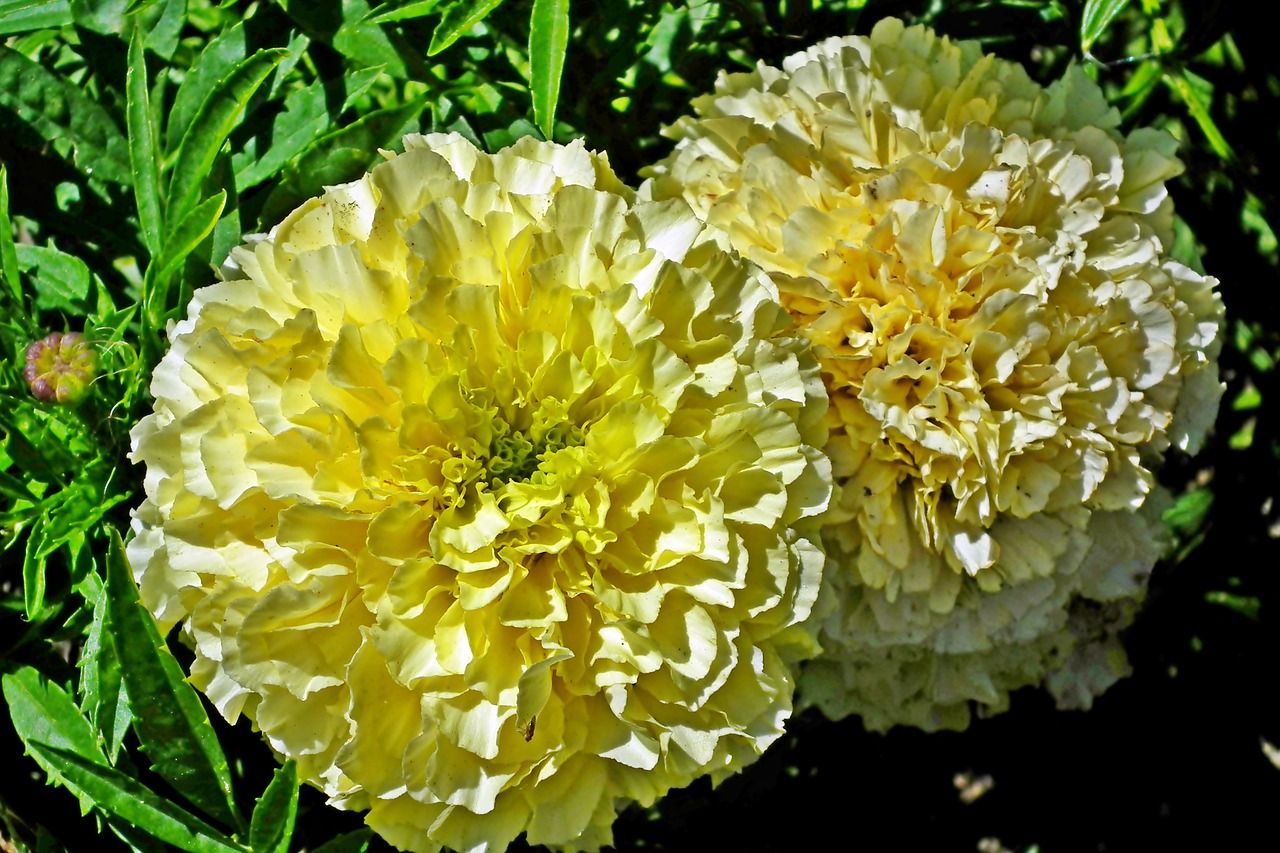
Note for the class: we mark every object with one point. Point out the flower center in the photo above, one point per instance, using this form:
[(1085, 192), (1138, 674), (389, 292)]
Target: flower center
[(515, 455)]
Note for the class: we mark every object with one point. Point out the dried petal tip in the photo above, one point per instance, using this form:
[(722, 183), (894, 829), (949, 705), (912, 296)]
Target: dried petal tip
[(60, 368)]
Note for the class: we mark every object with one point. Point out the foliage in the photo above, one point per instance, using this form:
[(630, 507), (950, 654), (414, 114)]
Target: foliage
[(140, 139)]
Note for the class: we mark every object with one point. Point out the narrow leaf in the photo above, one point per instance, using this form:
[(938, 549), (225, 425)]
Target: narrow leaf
[(273, 817), (1098, 15), (142, 145), (213, 122), (458, 17), (120, 795), (1197, 101), (337, 157), (304, 120), (216, 61), (8, 254), (172, 728), (387, 13), (102, 693), (20, 16), (33, 583), (548, 38), (58, 110)]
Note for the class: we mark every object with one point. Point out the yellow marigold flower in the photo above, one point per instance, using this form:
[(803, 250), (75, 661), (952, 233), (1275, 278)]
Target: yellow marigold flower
[(478, 488), (981, 265)]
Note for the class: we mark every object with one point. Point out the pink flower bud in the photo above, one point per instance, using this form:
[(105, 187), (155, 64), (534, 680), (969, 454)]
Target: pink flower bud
[(60, 367)]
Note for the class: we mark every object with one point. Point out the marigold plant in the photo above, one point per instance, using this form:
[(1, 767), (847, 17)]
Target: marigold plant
[(483, 491), (981, 265)]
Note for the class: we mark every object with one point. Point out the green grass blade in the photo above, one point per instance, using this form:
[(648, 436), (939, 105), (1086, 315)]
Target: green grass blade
[(1097, 16), (170, 721), (459, 16), (124, 797), (548, 38), (271, 829), (143, 156), (212, 124), (20, 16), (56, 109)]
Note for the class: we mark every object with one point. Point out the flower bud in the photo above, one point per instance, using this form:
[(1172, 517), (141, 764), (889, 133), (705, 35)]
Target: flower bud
[(60, 367)]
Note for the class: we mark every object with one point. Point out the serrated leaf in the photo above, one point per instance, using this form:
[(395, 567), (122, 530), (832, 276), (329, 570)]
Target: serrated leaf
[(1097, 16), (20, 16), (271, 828), (56, 109), (215, 63), (102, 693), (42, 712), (210, 127), (120, 795), (143, 156), (60, 281), (458, 17), (172, 727), (548, 38)]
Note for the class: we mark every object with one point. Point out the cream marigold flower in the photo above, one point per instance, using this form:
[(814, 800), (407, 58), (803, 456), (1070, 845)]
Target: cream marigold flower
[(981, 266), (481, 490)]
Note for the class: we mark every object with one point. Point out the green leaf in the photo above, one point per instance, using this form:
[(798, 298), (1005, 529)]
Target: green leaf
[(102, 693), (1189, 511), (273, 817), (101, 16), (1197, 94), (42, 712), (352, 842), (142, 146), (164, 22), (548, 38), (33, 582), (20, 16), (185, 238), (60, 281), (459, 16), (390, 12), (118, 794), (170, 721), (56, 109), (216, 61), (304, 120), (210, 127), (364, 42), (8, 254), (1098, 15), (340, 156)]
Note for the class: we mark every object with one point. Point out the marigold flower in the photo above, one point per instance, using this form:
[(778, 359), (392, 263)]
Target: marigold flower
[(481, 490), (981, 265), (59, 368)]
